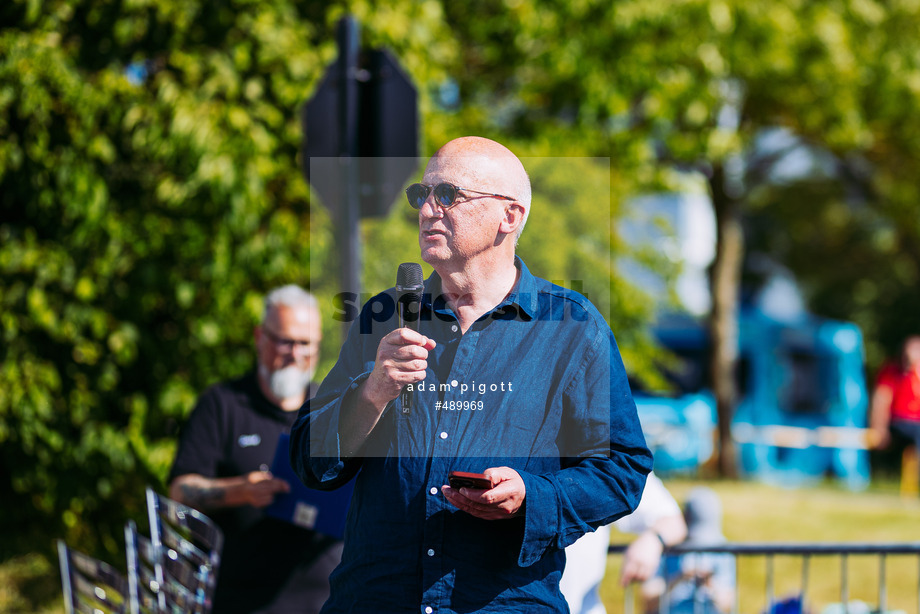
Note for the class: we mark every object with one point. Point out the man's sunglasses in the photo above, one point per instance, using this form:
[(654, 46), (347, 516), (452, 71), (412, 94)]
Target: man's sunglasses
[(445, 194)]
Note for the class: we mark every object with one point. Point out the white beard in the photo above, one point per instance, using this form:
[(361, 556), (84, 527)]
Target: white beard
[(288, 382)]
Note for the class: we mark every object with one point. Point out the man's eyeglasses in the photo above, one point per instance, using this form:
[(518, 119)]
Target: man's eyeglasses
[(284, 344), (445, 194)]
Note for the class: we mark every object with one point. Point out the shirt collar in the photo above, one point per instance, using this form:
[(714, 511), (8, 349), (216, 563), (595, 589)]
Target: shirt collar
[(523, 294)]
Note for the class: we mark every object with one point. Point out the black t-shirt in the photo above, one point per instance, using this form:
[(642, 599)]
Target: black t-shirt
[(233, 430)]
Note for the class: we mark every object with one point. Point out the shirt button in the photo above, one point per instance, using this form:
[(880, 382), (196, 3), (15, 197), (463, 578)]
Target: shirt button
[(453, 328), (433, 490), (428, 610), (443, 435), (430, 552)]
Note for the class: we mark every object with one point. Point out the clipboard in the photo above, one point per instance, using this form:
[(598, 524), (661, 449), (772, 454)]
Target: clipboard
[(323, 511)]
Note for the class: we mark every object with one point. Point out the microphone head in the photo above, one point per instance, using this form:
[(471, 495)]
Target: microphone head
[(409, 285), (409, 277)]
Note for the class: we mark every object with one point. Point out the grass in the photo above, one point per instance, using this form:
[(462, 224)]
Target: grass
[(754, 512)]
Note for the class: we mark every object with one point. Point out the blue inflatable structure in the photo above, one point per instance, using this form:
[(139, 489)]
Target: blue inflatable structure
[(802, 406)]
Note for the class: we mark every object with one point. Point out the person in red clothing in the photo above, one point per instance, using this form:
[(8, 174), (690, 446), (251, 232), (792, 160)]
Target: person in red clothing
[(895, 411)]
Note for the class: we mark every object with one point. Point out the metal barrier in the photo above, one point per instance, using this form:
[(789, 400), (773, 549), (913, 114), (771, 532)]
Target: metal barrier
[(806, 552)]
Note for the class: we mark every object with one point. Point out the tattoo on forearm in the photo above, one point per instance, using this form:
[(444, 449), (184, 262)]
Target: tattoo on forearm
[(202, 497)]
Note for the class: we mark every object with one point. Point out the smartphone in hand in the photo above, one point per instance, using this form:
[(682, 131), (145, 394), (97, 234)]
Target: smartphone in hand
[(465, 479)]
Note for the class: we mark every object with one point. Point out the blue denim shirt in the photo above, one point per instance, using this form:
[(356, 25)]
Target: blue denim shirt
[(537, 385)]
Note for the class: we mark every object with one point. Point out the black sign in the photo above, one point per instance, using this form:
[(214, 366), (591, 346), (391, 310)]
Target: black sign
[(375, 144)]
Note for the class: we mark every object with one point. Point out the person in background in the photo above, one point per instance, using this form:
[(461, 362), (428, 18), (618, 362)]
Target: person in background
[(657, 523), (696, 583), (895, 410), (222, 468)]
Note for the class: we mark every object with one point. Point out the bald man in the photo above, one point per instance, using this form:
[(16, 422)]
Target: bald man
[(513, 377)]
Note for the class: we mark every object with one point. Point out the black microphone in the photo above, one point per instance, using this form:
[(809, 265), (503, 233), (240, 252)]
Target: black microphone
[(409, 286)]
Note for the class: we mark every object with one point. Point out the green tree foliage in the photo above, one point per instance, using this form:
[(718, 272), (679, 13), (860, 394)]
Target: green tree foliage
[(140, 224), (863, 210)]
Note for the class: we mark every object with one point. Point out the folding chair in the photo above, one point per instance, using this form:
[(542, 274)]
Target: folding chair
[(186, 548), (91, 586), (142, 584)]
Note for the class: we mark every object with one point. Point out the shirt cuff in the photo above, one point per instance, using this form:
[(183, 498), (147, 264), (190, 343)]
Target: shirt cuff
[(329, 465), (541, 518)]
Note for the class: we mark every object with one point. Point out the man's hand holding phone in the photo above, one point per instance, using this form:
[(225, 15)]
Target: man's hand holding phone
[(464, 479), (501, 496)]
